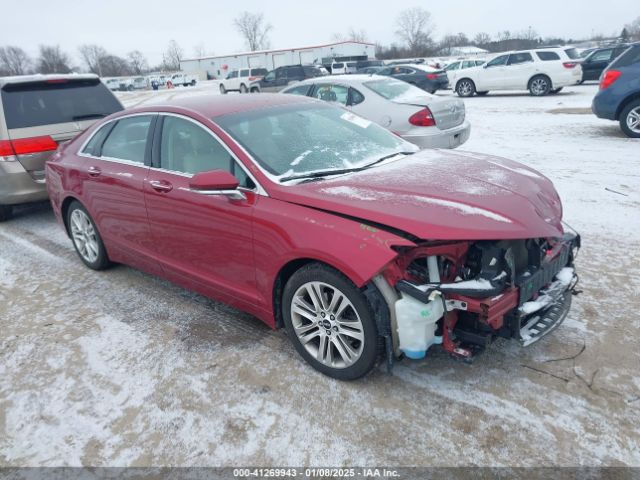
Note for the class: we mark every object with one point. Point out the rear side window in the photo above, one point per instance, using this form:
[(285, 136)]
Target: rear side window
[(601, 56), (628, 58), (46, 103), (259, 72), (299, 90), (548, 56), (332, 93), (356, 97), (128, 139), (93, 147), (338, 65), (244, 73), (313, 72), (295, 72)]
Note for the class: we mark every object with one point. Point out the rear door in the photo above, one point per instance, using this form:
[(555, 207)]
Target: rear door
[(43, 114), (113, 168), (593, 66)]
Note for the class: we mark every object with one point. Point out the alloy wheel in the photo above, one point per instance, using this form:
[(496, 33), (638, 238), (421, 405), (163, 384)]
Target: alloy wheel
[(633, 120), (464, 89), (539, 86), (327, 324), (84, 236)]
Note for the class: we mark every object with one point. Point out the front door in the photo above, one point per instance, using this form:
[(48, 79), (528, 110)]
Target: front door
[(520, 68), (203, 242), (493, 75)]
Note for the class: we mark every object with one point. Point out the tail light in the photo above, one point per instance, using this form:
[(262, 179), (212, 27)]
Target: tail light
[(25, 146), (251, 79), (609, 77), (432, 76), (423, 118), (569, 64)]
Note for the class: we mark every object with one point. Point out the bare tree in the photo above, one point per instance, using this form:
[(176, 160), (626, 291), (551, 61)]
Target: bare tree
[(93, 56), (200, 51), (137, 62), (52, 60), (172, 55), (482, 38), (504, 35), (415, 28), (114, 66), (253, 29), (633, 29), (352, 35), (14, 61)]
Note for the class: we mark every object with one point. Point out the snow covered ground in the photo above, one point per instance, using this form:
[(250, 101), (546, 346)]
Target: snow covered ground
[(121, 368)]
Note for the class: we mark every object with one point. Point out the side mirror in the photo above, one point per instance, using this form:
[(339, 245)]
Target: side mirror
[(485, 65), (216, 182)]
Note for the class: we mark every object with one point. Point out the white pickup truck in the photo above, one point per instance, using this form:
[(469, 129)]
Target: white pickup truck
[(184, 79)]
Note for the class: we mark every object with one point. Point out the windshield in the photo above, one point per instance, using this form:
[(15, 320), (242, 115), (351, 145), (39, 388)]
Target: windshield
[(298, 139), (394, 89)]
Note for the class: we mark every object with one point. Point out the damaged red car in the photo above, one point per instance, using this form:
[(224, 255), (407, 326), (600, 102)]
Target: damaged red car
[(321, 222)]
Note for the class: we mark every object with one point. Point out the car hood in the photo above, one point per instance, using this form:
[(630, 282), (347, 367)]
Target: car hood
[(441, 195)]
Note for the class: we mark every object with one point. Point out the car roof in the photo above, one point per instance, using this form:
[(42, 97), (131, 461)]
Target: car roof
[(38, 77), (211, 106)]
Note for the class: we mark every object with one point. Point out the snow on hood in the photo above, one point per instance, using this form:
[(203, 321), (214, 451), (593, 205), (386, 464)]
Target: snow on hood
[(442, 195)]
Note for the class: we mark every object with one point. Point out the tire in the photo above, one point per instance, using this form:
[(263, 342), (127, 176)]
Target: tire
[(630, 119), (6, 212), (482, 94), (255, 90), (465, 88), (540, 85), (86, 238), (223, 90), (130, 88), (193, 83), (341, 338), (555, 91), (243, 88)]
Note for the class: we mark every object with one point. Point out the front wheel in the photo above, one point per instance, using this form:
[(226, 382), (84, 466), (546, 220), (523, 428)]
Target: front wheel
[(330, 322), (465, 88), (243, 88), (193, 83), (223, 90), (630, 120), (539, 85), (86, 239)]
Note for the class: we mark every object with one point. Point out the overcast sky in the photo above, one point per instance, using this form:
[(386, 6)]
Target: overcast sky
[(121, 26)]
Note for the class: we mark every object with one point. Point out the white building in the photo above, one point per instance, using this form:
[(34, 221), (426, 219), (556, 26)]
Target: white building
[(220, 66)]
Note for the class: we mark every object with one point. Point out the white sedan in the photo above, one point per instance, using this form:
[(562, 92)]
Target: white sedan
[(426, 120)]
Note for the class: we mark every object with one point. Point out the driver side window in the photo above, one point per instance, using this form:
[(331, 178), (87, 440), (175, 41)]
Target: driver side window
[(188, 148), (498, 61)]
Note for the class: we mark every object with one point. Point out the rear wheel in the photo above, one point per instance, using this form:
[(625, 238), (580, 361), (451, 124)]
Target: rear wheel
[(223, 90), (330, 322), (6, 212), (630, 119), (193, 83), (243, 88), (85, 237), (539, 85), (465, 88)]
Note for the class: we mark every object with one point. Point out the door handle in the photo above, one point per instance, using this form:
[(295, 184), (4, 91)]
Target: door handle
[(161, 186), (94, 171)]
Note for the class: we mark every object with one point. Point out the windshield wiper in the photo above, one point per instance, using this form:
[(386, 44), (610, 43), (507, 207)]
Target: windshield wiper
[(89, 115), (324, 173)]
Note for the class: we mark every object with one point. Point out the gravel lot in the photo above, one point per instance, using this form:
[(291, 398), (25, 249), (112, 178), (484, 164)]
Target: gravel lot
[(120, 368)]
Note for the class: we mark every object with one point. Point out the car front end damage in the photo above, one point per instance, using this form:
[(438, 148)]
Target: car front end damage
[(465, 294)]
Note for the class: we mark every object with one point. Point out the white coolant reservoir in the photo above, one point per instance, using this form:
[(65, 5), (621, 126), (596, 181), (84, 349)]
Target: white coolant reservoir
[(417, 324)]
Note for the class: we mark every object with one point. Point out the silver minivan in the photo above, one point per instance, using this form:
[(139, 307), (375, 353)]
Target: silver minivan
[(37, 113)]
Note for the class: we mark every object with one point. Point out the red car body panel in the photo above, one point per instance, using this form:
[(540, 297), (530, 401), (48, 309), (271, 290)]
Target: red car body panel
[(233, 250)]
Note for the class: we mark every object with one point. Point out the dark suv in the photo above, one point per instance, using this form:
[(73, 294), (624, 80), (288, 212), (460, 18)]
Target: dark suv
[(594, 64), (38, 112), (277, 79), (619, 95)]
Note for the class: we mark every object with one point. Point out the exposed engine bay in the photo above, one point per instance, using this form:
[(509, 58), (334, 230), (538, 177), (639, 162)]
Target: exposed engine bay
[(464, 294)]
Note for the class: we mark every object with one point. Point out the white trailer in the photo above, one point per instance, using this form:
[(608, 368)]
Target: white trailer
[(220, 66)]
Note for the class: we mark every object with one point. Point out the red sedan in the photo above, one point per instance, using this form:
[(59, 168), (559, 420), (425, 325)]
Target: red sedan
[(322, 222)]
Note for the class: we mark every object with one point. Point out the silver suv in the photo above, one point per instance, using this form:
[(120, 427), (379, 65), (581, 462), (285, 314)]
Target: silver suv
[(38, 112)]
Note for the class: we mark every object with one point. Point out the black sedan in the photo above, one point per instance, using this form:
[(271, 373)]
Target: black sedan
[(421, 76)]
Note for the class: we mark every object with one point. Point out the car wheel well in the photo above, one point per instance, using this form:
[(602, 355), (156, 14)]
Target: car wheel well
[(627, 101), (64, 209), (540, 75)]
